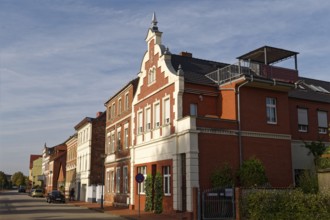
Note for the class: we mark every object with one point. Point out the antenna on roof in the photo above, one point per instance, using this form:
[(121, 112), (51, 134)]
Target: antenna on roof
[(154, 22)]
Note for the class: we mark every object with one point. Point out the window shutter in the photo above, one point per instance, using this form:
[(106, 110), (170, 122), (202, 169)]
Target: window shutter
[(302, 116), (322, 119)]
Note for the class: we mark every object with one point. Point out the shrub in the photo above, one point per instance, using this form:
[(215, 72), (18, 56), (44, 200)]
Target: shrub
[(308, 182), (222, 177), (158, 200), (285, 204), (148, 190), (252, 173)]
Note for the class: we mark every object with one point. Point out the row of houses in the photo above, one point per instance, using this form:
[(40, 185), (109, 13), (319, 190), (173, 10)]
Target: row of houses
[(183, 117)]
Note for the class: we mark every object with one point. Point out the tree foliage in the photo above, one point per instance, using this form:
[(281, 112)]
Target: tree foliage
[(3, 180), (148, 190), (158, 200), (252, 173), (18, 178), (222, 177), (316, 149)]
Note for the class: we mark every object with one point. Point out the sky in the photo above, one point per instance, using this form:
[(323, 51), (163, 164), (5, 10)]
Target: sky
[(61, 60)]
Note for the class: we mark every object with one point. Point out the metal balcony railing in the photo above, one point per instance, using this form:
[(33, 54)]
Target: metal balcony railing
[(234, 71)]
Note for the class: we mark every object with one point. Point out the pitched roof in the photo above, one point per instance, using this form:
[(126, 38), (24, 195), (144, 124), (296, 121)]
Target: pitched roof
[(133, 82), (312, 90), (195, 69)]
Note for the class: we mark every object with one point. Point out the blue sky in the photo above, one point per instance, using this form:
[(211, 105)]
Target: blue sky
[(61, 60)]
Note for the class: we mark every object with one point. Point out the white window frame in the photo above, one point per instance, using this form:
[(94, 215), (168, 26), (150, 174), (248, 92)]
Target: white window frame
[(126, 101), (112, 142), (271, 110), (167, 180), (141, 186), (302, 119), (148, 119), (322, 119), (119, 106), (126, 138), (157, 115), (140, 122), (113, 113), (125, 179), (152, 75), (167, 111)]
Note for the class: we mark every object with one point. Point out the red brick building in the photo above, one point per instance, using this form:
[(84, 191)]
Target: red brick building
[(190, 116), (117, 146)]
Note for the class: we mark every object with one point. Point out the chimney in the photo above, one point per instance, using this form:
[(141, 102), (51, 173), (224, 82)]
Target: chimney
[(98, 114), (186, 54)]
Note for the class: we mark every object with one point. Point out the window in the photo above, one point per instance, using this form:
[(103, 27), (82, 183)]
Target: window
[(118, 180), (112, 143), (140, 123), (157, 116), (112, 181), (107, 182), (118, 141), (152, 75), (322, 118), (167, 111), (109, 113), (126, 138), (141, 187), (148, 121), (108, 144), (302, 120), (271, 110), (119, 106), (167, 180), (126, 102), (193, 109), (113, 113), (125, 179)]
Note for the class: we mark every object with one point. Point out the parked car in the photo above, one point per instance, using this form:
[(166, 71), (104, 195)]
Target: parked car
[(31, 191), (21, 189), (55, 196), (37, 193)]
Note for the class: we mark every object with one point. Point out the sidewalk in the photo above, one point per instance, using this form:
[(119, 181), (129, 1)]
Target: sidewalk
[(126, 213)]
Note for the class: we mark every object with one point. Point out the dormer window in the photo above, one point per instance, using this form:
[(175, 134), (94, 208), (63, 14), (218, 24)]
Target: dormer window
[(152, 75)]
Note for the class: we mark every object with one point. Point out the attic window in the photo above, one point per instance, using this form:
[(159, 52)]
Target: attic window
[(152, 75)]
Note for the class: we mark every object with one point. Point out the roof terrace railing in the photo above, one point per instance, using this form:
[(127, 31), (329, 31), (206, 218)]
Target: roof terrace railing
[(234, 71)]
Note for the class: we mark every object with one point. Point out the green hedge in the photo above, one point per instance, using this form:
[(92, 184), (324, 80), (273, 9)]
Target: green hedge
[(285, 204)]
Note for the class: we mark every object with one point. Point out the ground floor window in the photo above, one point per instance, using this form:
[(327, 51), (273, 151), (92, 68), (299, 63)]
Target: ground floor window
[(167, 180)]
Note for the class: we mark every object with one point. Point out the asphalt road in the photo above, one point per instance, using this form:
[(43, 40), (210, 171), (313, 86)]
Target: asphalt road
[(20, 206)]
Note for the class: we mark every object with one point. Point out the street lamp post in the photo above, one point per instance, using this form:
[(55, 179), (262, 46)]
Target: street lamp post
[(103, 156)]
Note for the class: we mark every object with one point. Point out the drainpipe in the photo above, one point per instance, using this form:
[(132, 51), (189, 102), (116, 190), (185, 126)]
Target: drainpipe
[(239, 121)]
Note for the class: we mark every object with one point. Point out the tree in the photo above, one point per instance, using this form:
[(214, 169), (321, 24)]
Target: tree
[(252, 173), (3, 180), (148, 192), (316, 149), (158, 200), (18, 179), (222, 177)]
